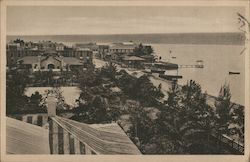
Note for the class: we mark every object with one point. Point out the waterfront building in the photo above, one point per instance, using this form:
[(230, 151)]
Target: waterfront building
[(133, 61), (119, 50)]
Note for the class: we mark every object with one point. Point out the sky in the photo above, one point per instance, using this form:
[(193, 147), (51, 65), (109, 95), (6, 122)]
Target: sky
[(64, 20)]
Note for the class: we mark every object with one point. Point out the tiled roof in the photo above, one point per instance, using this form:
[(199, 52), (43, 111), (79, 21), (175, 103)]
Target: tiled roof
[(29, 59), (35, 59), (104, 138), (25, 138)]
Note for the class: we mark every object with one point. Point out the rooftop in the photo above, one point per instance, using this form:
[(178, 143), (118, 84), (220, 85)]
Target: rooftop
[(122, 46), (133, 58), (31, 139), (103, 138), (35, 59)]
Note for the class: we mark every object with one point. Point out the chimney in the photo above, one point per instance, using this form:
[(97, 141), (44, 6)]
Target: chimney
[(51, 105)]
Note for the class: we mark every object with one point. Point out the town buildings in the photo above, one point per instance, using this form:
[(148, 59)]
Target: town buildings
[(45, 55)]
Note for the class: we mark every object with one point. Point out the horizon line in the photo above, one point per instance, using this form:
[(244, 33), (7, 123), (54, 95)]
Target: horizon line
[(124, 34)]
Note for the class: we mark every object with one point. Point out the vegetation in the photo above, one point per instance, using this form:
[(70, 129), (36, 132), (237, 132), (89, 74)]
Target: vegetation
[(230, 117), (143, 50), (184, 124), (16, 101)]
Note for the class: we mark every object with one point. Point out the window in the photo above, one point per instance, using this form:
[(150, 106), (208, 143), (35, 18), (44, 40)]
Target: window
[(40, 120), (60, 140), (71, 144), (29, 119)]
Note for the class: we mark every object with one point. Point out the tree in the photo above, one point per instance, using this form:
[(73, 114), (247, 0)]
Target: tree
[(35, 104), (138, 51), (109, 70), (84, 101), (223, 108), (146, 92), (89, 78), (185, 122), (141, 130), (15, 87), (98, 111), (238, 118), (143, 50)]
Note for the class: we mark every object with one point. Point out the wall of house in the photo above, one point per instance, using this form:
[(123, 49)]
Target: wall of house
[(51, 60), (39, 119), (63, 142)]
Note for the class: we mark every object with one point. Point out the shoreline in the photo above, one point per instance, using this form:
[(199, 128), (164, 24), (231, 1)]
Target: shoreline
[(156, 81)]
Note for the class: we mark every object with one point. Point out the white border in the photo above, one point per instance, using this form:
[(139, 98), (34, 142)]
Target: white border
[(121, 158)]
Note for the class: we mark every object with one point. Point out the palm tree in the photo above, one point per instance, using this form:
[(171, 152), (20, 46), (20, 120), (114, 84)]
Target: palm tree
[(223, 108), (186, 119)]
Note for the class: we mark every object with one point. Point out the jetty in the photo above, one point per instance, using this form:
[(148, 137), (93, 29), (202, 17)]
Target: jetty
[(199, 64)]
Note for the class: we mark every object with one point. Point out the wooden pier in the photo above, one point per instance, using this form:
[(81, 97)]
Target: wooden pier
[(191, 66), (199, 64)]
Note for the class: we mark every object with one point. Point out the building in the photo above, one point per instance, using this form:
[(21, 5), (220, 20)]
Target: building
[(49, 61), (65, 136), (91, 46), (133, 61), (84, 54), (25, 138), (103, 51), (119, 50), (29, 54), (59, 47)]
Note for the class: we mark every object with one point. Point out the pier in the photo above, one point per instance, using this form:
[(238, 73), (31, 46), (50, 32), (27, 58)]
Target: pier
[(191, 66), (199, 64)]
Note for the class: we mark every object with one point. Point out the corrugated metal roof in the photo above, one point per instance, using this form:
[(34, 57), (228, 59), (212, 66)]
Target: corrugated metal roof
[(109, 139), (133, 58), (83, 49), (25, 138), (122, 46)]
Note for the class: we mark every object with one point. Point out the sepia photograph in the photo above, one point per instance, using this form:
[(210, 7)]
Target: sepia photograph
[(125, 79)]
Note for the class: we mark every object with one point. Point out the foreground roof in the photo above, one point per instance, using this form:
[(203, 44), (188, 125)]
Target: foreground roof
[(25, 138), (103, 138)]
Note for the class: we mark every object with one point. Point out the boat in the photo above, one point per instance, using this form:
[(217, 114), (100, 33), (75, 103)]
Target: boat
[(233, 73), (170, 77), (155, 70)]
